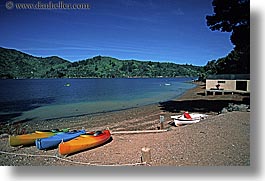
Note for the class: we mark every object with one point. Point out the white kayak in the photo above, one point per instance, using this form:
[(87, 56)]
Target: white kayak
[(193, 116), (187, 118), (181, 122)]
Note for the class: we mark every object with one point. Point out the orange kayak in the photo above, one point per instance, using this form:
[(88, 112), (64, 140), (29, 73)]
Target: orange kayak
[(83, 142), (29, 139)]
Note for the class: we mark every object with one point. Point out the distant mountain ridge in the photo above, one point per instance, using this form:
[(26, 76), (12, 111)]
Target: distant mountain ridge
[(16, 64)]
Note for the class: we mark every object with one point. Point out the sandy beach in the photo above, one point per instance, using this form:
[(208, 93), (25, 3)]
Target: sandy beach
[(219, 140)]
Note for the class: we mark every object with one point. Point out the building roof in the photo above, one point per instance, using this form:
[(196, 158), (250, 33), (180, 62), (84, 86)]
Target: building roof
[(229, 76)]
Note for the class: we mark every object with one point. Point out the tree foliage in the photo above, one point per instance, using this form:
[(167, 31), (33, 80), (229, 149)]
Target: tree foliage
[(15, 64), (233, 16)]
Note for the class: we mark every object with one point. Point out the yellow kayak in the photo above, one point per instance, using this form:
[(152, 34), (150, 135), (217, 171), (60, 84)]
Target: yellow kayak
[(29, 139)]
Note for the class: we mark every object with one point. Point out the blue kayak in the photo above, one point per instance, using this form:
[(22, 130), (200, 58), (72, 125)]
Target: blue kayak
[(54, 141)]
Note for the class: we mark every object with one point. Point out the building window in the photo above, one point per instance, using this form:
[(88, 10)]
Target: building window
[(221, 82), (241, 85)]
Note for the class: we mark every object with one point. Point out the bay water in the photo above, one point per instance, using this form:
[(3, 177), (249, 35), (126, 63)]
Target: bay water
[(41, 99)]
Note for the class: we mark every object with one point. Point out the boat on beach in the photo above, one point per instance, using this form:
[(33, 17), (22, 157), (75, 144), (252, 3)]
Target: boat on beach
[(29, 139), (54, 141), (188, 118), (186, 121), (84, 142)]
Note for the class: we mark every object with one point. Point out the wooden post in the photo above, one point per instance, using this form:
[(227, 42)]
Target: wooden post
[(162, 120), (146, 155), (162, 125)]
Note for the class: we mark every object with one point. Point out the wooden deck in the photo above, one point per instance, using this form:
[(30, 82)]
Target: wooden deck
[(222, 92)]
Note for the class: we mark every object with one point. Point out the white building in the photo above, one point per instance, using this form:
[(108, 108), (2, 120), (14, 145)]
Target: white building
[(230, 83)]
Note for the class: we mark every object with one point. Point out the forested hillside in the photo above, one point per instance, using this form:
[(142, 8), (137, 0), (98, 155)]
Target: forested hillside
[(16, 64)]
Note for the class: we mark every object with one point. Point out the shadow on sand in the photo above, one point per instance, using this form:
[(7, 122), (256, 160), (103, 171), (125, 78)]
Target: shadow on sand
[(199, 105)]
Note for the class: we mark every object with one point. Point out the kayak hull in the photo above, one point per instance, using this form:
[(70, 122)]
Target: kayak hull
[(83, 142), (182, 122), (29, 139), (194, 116), (54, 141), (191, 119)]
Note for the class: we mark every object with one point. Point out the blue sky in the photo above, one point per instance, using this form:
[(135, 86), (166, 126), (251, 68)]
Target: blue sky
[(155, 30)]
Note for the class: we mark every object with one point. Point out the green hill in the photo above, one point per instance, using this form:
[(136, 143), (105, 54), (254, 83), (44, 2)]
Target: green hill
[(16, 64)]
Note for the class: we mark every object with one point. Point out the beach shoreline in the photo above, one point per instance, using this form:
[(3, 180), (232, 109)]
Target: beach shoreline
[(147, 118), (193, 100), (57, 113)]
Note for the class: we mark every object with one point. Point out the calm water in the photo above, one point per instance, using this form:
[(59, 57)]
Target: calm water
[(51, 98)]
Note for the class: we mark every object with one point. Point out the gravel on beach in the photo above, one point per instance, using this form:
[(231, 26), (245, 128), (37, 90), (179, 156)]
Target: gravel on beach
[(218, 140)]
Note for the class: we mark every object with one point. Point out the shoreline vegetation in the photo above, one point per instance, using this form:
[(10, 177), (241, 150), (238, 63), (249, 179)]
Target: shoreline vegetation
[(19, 65), (220, 139)]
